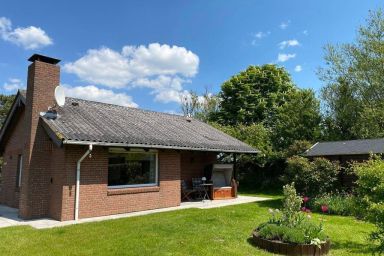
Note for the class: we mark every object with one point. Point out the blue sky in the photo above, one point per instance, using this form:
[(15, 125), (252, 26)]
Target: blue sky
[(146, 53)]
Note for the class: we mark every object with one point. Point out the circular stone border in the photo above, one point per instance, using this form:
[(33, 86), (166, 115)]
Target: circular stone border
[(279, 247)]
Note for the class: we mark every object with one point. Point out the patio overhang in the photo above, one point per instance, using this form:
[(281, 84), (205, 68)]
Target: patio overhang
[(146, 146)]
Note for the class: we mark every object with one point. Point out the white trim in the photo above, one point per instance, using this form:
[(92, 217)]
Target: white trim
[(20, 163), (306, 151), (156, 183), (134, 186), (127, 145)]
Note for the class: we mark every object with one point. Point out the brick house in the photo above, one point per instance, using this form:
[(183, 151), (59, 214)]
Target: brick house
[(121, 159)]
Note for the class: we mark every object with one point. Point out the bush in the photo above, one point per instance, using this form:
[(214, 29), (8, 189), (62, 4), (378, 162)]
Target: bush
[(290, 225), (339, 204), (370, 189), (312, 178)]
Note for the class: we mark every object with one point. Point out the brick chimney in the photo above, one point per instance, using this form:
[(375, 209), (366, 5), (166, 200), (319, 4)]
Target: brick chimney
[(43, 77)]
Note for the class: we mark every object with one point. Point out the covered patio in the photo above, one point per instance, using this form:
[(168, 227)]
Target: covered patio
[(204, 176)]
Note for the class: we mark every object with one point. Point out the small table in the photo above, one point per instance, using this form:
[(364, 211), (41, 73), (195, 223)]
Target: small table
[(206, 187)]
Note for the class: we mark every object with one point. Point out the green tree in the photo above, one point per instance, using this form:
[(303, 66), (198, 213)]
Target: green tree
[(298, 118), (203, 107), (5, 105), (342, 110), (254, 95), (297, 148), (354, 90)]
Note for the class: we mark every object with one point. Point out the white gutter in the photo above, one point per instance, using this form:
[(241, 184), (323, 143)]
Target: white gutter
[(78, 180), (106, 144)]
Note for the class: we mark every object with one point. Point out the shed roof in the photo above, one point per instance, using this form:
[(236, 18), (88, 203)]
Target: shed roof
[(88, 122), (347, 147)]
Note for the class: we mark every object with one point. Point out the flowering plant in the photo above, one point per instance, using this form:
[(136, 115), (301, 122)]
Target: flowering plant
[(324, 208)]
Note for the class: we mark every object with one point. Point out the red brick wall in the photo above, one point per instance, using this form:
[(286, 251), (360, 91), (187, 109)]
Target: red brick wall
[(193, 164), (97, 200), (56, 182), (34, 197), (9, 194)]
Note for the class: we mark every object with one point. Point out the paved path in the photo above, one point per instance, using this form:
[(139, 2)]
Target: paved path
[(9, 216)]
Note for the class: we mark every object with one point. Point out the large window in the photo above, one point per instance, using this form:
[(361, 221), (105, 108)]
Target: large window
[(131, 168)]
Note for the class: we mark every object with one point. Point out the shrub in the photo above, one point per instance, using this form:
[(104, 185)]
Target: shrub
[(370, 189), (340, 204), (312, 178), (327, 172), (300, 171)]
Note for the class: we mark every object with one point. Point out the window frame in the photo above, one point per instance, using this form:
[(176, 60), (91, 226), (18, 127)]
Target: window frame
[(19, 170), (136, 151)]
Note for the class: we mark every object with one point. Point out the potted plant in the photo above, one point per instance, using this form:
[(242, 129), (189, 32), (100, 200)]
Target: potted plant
[(290, 231)]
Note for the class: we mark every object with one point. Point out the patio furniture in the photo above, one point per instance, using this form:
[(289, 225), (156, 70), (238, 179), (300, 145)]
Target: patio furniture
[(207, 188), (197, 185), (186, 192), (224, 186)]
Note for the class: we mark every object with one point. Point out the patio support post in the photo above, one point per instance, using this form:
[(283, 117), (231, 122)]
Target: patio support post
[(234, 166)]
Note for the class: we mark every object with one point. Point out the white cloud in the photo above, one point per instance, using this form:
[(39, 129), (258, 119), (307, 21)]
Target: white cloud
[(13, 84), (283, 57), (284, 24), (167, 96), (173, 112), (298, 68), (93, 93), (259, 35), (162, 68), (29, 38), (289, 43)]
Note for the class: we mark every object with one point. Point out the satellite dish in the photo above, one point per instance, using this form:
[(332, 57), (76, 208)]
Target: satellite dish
[(60, 96)]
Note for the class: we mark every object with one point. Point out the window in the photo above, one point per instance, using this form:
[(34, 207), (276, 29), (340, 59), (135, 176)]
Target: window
[(19, 170), (132, 168)]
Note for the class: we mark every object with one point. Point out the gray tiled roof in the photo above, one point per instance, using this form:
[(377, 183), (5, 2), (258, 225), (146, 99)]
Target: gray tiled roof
[(347, 147), (106, 124)]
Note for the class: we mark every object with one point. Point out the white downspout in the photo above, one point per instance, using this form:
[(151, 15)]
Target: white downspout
[(78, 181)]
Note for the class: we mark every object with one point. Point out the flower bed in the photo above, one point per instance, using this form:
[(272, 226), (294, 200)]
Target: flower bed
[(278, 247), (290, 231)]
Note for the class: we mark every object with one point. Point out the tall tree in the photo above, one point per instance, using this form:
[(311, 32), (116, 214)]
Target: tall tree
[(254, 95), (354, 81), (5, 105), (203, 107), (341, 110), (297, 119)]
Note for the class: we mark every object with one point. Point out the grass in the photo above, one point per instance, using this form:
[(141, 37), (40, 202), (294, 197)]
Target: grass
[(219, 231)]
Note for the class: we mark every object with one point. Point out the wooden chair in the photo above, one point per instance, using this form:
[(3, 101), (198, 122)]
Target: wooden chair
[(197, 185), (185, 191)]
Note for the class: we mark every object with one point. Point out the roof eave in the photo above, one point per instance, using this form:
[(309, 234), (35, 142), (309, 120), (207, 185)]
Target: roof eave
[(108, 144), (343, 154), (52, 134), (16, 103)]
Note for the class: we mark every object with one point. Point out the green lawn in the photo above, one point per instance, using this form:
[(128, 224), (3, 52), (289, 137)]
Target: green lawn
[(220, 231)]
